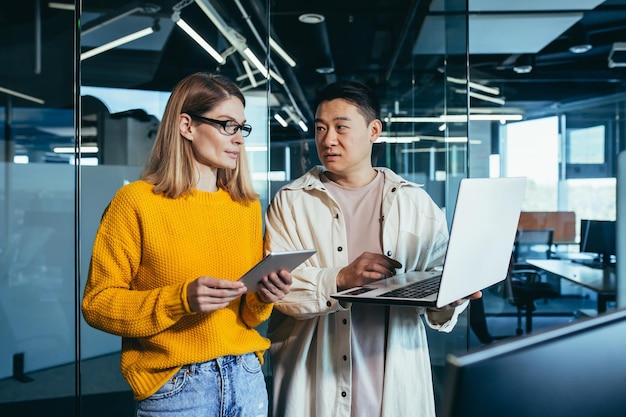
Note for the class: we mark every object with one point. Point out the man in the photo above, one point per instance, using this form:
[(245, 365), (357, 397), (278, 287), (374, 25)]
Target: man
[(341, 360)]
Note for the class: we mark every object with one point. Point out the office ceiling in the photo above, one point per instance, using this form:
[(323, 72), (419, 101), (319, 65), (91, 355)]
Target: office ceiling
[(406, 49)]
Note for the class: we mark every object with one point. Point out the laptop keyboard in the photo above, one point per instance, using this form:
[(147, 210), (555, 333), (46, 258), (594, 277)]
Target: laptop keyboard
[(418, 289)]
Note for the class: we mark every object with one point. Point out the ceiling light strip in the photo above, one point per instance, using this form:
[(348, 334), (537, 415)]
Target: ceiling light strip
[(20, 95), (496, 100), (397, 139), (477, 86), (200, 40), (235, 39), (277, 77), (460, 118), (281, 52), (61, 6), (114, 44), (256, 62), (280, 120), (303, 126), (71, 149)]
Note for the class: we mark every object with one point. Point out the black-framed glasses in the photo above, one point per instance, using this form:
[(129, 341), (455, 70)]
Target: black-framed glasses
[(230, 127)]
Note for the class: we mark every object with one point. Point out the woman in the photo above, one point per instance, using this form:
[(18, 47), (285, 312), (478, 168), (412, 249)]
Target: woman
[(167, 256)]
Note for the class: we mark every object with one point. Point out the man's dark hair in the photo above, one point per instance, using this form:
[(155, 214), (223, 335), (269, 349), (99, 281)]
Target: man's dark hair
[(359, 94)]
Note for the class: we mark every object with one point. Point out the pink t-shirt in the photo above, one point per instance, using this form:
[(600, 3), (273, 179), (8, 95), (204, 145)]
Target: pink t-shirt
[(361, 208)]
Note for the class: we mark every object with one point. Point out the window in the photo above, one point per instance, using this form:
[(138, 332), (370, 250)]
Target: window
[(531, 150)]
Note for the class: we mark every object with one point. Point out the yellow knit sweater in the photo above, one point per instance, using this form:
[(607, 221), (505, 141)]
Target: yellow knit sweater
[(147, 250)]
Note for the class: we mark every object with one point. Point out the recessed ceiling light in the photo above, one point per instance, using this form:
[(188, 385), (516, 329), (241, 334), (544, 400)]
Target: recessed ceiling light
[(325, 70), (523, 69), (311, 18), (580, 49)]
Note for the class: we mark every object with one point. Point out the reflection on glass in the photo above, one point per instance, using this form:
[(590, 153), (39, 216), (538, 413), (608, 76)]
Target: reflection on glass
[(586, 146), (37, 209)]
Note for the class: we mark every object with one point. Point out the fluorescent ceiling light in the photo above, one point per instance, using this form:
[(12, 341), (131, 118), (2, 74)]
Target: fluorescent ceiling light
[(235, 39), (455, 139), (200, 40), (477, 86), (20, 159), (20, 95), (479, 96), (280, 51), (523, 68), (303, 126), (397, 139), (277, 77), (61, 6), (459, 118), (497, 117), (71, 149), (311, 18), (256, 62), (114, 44), (250, 74), (580, 49), (259, 66), (280, 120)]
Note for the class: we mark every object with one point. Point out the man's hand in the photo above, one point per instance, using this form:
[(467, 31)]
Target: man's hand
[(477, 294), (367, 267), (274, 287)]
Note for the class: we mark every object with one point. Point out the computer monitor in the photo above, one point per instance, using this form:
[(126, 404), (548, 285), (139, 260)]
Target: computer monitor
[(577, 369), (599, 237)]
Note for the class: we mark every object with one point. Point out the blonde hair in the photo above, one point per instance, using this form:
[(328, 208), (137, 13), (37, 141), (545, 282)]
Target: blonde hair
[(170, 167)]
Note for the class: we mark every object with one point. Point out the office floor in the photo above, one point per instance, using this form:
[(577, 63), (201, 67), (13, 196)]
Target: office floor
[(105, 393)]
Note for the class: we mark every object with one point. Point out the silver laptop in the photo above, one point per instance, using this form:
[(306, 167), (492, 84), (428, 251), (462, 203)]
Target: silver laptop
[(479, 250)]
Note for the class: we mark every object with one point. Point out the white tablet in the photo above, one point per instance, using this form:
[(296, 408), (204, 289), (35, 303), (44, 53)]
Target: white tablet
[(274, 262)]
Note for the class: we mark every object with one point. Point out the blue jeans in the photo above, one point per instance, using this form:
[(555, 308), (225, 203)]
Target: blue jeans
[(229, 386)]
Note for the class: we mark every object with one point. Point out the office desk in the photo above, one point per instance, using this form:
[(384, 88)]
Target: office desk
[(601, 281)]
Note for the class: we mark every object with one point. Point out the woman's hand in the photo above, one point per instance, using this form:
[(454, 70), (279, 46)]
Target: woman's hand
[(207, 294), (274, 287)]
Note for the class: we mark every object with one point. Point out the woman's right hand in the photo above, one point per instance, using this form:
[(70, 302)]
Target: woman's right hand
[(207, 294)]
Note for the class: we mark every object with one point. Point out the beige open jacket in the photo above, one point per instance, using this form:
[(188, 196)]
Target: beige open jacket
[(310, 331)]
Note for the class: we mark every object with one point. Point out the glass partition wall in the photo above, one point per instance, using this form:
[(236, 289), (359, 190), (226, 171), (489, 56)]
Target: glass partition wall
[(38, 213)]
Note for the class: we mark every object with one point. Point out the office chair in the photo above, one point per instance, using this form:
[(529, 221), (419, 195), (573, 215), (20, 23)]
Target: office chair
[(525, 284), (478, 321)]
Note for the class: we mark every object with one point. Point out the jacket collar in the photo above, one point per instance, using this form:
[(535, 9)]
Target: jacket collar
[(311, 179)]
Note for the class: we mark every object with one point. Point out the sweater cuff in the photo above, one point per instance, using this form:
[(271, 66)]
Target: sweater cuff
[(178, 304), (254, 311)]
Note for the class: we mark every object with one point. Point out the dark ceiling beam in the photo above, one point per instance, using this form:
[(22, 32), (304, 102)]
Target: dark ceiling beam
[(126, 10), (418, 8)]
